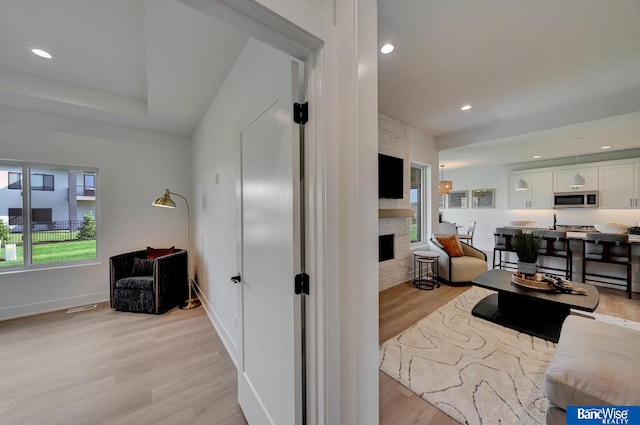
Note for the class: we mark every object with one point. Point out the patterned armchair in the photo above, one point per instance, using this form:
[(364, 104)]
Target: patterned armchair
[(146, 285)]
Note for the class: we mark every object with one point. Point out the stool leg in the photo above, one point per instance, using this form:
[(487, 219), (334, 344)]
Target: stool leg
[(629, 279)]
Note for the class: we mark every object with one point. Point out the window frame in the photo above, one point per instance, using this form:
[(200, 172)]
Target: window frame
[(27, 219), (12, 185), (423, 204)]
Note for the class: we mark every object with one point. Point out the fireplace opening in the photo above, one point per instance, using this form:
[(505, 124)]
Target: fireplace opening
[(385, 247)]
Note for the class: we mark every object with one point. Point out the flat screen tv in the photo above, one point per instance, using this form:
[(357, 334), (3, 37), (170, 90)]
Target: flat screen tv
[(390, 177)]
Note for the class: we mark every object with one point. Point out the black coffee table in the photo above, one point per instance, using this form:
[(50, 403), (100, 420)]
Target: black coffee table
[(535, 312)]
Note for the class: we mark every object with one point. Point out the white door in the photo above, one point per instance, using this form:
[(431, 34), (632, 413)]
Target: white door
[(268, 370)]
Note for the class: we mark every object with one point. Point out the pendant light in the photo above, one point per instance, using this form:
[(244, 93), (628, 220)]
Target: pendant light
[(577, 180), (444, 186), (521, 184)]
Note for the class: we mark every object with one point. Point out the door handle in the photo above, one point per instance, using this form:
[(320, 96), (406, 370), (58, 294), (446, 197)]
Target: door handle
[(236, 279)]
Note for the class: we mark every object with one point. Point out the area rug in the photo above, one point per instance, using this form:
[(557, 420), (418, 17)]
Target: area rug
[(475, 371)]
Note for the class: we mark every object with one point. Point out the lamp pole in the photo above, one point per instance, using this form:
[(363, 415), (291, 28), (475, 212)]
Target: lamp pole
[(166, 201)]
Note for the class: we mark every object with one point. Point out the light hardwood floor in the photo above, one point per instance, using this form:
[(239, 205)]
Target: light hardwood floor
[(403, 305), (114, 368)]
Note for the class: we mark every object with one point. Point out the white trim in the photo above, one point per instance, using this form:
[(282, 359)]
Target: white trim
[(222, 332), (47, 306)]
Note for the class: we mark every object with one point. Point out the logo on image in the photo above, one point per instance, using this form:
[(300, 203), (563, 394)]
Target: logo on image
[(605, 415)]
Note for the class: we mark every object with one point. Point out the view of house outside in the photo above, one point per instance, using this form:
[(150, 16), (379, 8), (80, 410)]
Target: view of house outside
[(61, 226), (415, 199)]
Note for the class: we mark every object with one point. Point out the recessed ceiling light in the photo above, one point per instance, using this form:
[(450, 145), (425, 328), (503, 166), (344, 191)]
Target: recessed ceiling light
[(605, 147), (41, 53), (387, 48), (465, 108), (537, 156)]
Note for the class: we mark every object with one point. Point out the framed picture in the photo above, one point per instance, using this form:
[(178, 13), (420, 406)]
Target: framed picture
[(458, 199), (483, 198), (442, 201)]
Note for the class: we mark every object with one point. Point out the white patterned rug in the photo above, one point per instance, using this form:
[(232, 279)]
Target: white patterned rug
[(475, 371)]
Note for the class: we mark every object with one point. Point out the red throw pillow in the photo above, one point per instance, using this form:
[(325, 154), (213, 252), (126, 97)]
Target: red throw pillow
[(451, 245), (153, 253)]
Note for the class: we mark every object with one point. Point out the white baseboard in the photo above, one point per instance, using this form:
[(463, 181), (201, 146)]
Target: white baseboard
[(47, 306), (226, 338)]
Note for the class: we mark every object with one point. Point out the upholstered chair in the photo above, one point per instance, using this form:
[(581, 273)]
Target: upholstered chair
[(148, 285), (459, 263)]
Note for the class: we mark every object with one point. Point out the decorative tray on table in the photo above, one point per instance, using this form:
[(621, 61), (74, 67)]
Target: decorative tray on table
[(533, 282), (542, 282)]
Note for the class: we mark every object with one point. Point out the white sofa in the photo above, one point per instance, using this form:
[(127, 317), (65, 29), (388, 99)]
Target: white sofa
[(595, 364)]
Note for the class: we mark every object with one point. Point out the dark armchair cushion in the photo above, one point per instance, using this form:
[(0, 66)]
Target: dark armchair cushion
[(136, 282), (142, 267)]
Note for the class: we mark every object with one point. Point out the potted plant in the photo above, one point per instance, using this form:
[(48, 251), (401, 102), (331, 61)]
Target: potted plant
[(527, 246)]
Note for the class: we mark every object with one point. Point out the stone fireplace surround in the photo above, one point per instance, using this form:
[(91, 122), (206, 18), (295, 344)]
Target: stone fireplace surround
[(393, 139)]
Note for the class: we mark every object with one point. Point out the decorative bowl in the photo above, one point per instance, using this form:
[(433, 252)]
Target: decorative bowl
[(611, 228)]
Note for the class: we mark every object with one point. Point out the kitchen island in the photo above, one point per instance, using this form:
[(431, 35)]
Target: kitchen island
[(576, 235)]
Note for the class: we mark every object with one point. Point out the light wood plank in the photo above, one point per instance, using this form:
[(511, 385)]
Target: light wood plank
[(106, 367)]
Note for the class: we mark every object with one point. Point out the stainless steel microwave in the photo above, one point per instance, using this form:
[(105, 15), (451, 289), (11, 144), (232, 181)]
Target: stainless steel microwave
[(575, 200)]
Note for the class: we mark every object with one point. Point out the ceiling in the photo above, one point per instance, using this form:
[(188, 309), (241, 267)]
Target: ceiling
[(151, 64), (539, 74)]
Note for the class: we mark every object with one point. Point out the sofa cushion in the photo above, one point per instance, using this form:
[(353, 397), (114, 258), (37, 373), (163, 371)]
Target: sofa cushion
[(136, 282), (595, 364), (451, 244)]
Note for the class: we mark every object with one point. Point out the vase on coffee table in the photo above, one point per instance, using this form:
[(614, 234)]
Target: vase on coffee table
[(528, 269), (527, 246)]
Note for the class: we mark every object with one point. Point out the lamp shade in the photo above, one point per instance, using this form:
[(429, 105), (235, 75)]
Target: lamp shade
[(445, 186), (577, 181), (164, 201), (522, 185)]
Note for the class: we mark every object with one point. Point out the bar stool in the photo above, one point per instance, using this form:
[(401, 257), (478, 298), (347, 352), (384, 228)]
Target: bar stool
[(428, 270), (555, 244), (503, 238), (611, 249)]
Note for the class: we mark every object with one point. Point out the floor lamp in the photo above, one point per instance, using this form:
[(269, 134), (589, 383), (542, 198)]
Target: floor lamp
[(165, 201)]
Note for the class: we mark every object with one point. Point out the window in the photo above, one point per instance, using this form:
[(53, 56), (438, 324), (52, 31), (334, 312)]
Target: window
[(38, 181), (89, 184), (62, 225), (42, 182), (15, 180), (416, 199), (38, 215), (90, 181), (15, 216)]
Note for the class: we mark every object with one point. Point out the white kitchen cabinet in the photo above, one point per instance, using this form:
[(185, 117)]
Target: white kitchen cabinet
[(561, 179), (619, 186), (538, 196)]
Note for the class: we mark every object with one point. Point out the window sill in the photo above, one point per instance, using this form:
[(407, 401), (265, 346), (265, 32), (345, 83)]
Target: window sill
[(46, 267)]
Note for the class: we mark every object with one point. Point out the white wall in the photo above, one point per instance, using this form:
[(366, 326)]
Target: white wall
[(423, 150), (215, 157), (134, 168)]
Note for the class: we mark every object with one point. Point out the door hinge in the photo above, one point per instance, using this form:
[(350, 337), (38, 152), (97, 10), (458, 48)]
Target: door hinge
[(301, 113), (302, 284)]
